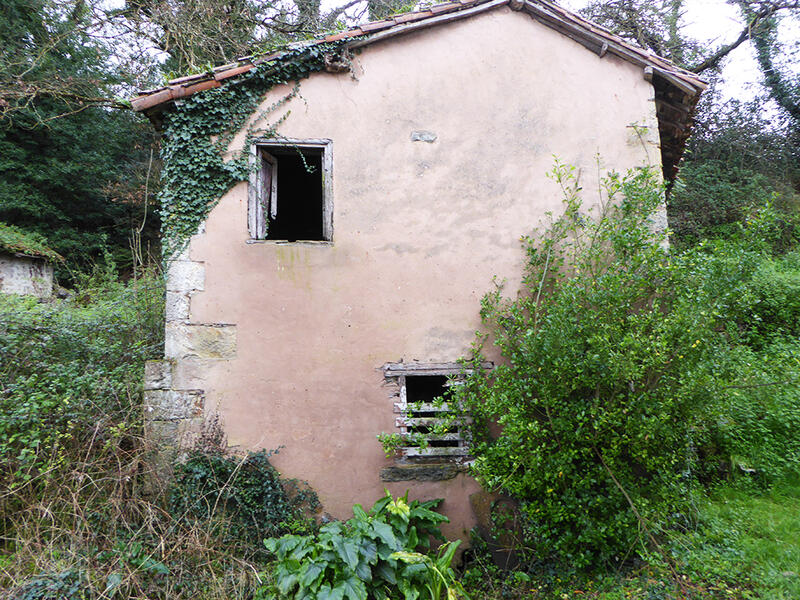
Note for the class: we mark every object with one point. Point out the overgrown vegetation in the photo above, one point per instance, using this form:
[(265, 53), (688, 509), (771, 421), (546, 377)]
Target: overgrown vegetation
[(373, 555), (660, 381), (83, 512), (16, 241), (635, 376), (244, 497), (196, 172)]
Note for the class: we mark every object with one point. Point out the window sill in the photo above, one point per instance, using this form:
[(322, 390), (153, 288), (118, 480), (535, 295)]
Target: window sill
[(429, 472), (294, 243)]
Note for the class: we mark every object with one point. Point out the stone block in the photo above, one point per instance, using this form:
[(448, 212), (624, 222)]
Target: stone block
[(440, 472), (171, 405), (185, 276), (200, 341), (177, 306), (157, 375), (190, 373), (167, 438)]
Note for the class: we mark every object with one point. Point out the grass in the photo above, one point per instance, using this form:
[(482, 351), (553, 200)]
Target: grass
[(745, 546), (748, 539)]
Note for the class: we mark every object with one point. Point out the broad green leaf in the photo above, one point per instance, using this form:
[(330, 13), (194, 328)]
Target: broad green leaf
[(359, 513), (409, 557), (287, 583), (446, 554), (409, 591), (311, 573), (363, 571), (327, 593), (387, 572), (385, 533), (354, 588), (369, 550), (348, 551), (384, 551), (380, 505)]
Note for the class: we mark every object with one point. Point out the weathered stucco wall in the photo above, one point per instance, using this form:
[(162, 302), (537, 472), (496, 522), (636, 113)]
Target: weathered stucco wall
[(25, 275), (286, 340)]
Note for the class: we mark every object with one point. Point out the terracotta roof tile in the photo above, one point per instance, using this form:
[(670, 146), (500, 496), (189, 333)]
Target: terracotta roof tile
[(376, 25), (186, 78), (440, 8), (542, 10), (407, 17), (232, 72), (337, 36)]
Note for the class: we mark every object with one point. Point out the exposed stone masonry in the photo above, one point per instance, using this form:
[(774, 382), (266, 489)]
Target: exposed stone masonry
[(174, 406)]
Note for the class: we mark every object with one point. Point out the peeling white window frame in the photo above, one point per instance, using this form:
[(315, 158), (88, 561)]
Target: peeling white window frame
[(395, 375), (262, 202)]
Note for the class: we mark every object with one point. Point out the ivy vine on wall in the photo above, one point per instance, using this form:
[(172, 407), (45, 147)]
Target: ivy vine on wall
[(197, 133)]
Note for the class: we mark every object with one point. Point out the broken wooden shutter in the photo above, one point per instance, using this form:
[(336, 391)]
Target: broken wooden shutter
[(263, 203), (269, 179)]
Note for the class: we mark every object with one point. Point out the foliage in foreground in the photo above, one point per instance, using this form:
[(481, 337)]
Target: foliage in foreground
[(634, 373), (745, 545), (72, 369), (244, 497), (83, 515), (373, 555)]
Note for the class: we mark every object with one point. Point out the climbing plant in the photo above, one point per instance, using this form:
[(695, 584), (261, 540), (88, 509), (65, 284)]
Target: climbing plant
[(197, 170)]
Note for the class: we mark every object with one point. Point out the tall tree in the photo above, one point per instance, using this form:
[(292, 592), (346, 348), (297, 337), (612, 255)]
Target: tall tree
[(63, 157), (657, 25)]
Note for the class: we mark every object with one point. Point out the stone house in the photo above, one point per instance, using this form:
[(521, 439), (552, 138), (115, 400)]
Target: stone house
[(313, 305), (26, 264)]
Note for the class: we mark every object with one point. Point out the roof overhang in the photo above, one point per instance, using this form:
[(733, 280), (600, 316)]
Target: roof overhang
[(676, 90)]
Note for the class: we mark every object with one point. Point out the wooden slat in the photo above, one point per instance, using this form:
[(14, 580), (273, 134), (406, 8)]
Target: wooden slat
[(452, 368), (424, 407), (428, 421), (438, 451)]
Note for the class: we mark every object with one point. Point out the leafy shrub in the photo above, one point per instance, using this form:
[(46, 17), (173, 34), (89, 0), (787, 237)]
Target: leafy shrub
[(355, 559), (631, 371), (66, 585), (246, 494), (738, 157), (73, 368)]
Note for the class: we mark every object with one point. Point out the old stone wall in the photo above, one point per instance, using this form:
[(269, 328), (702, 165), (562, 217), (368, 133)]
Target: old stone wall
[(25, 275), (174, 404)]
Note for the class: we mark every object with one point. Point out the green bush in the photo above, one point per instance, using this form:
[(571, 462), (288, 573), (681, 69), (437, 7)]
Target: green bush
[(632, 372), (245, 496), (356, 559), (73, 369)]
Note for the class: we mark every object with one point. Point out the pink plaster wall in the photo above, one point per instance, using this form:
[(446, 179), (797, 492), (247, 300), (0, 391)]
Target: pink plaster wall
[(420, 229)]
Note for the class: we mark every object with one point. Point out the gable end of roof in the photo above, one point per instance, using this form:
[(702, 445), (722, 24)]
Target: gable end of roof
[(676, 90)]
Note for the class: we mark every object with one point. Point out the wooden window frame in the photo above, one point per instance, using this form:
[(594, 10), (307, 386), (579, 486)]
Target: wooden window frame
[(395, 376), (262, 202)]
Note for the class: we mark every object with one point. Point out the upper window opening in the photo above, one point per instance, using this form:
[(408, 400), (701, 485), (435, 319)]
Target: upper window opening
[(290, 191)]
